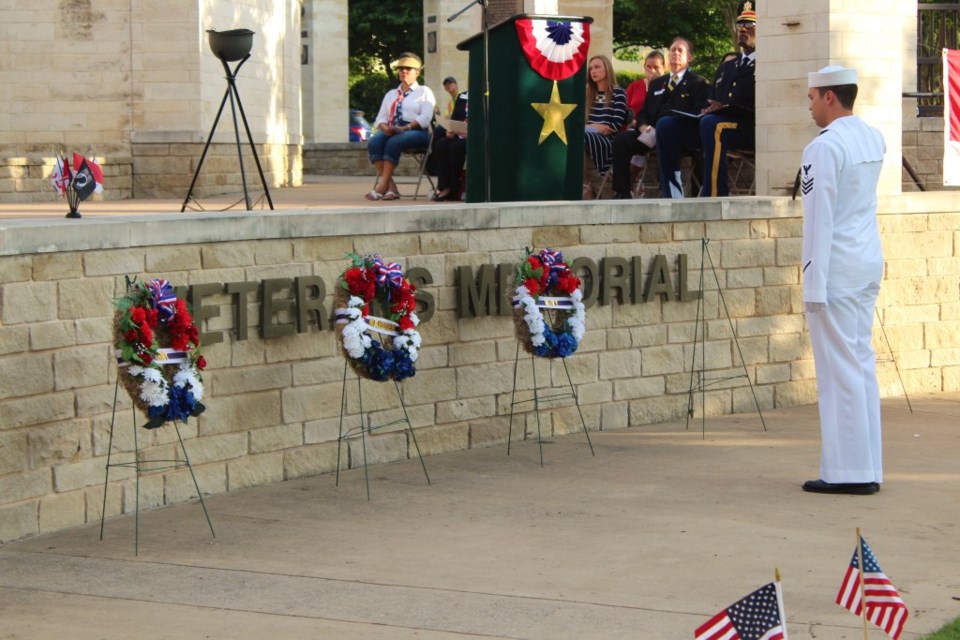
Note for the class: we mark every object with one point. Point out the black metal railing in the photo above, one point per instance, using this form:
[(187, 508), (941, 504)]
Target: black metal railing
[(938, 27)]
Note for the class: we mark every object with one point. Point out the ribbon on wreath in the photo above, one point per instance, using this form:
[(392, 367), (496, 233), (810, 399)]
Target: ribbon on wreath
[(163, 297)]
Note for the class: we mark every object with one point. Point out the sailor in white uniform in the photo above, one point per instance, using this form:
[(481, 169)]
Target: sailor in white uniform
[(842, 269)]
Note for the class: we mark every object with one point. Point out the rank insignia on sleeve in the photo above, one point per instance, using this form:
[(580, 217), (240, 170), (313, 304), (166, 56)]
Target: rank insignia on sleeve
[(806, 183)]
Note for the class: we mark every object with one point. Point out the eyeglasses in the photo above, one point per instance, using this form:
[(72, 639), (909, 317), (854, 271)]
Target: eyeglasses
[(746, 25)]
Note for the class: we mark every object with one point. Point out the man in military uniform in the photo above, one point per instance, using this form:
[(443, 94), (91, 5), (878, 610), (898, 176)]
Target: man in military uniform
[(727, 122), (842, 268)]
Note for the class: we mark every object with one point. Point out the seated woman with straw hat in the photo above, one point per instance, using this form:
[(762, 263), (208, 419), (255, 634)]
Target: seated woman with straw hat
[(402, 123)]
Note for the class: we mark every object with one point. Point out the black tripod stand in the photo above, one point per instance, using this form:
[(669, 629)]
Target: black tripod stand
[(234, 96)]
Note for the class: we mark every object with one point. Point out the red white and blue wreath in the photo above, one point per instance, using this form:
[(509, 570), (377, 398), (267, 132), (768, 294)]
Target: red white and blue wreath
[(158, 350), (555, 49), (370, 283), (544, 281)]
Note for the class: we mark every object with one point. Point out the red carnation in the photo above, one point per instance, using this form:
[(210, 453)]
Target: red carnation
[(146, 358), (406, 323), (532, 285), (201, 363), (146, 335), (153, 317), (534, 262), (131, 335), (137, 315)]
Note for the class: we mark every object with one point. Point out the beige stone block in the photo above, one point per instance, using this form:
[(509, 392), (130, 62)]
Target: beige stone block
[(951, 380), (240, 413), (618, 339), (894, 314), (923, 380), (150, 493), (634, 388), (773, 276), (24, 486), (28, 411), (795, 393), (309, 403), (317, 249), (15, 268), (173, 259), (283, 436), (942, 267), (745, 401), (912, 223), (582, 368), (379, 449), (716, 354), (393, 247), (749, 253), (595, 392), (444, 242), (217, 448), (630, 315), (26, 375), (727, 230), (789, 252), (613, 415), (687, 311), (308, 461), (301, 346), (59, 512), (689, 231), (178, 486), (60, 442), (273, 252), (654, 410), (774, 300), (442, 439), (57, 266), (740, 278), (625, 364), (221, 255), (52, 335), (255, 470), (325, 430), (943, 222), (767, 374), (656, 233), (661, 360), (950, 311), (465, 409), (235, 381), (19, 521), (23, 302), (774, 325), (77, 475), (86, 299), (94, 500), (941, 335), (320, 371), (648, 336), (485, 433), (430, 386), (14, 339), (604, 234), (906, 246), (471, 353), (114, 262), (91, 330), (484, 380), (81, 367), (786, 227), (552, 237), (99, 401)]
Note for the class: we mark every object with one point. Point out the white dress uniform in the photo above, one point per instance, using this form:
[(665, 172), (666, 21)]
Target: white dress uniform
[(842, 267)]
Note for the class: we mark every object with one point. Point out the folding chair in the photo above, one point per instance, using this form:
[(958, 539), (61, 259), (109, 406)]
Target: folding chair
[(420, 155), (741, 166)]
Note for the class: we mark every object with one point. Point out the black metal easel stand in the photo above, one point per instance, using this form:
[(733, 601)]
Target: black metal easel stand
[(700, 330), (362, 430), (234, 96), (138, 465), (538, 399)]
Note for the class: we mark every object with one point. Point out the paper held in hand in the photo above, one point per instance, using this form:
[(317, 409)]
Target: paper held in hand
[(649, 137), (458, 127)]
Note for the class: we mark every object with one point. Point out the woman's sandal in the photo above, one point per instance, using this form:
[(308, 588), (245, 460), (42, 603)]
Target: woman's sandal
[(373, 195), (587, 192), (391, 195)]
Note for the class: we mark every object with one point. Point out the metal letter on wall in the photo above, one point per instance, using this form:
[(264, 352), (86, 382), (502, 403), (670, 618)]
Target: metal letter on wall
[(201, 313), (659, 282), (308, 305), (238, 292), (476, 297), (586, 270), (614, 276), (270, 307), (426, 305)]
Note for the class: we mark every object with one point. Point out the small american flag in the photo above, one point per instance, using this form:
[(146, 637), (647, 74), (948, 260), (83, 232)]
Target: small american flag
[(755, 617), (884, 606)]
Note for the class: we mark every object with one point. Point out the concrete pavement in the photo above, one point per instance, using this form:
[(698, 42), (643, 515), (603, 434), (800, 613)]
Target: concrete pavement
[(648, 539)]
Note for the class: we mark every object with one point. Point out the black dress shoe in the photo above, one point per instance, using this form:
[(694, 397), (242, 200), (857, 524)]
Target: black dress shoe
[(620, 195), (854, 488)]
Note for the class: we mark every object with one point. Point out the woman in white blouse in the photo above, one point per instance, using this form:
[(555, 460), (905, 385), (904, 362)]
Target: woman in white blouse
[(402, 123)]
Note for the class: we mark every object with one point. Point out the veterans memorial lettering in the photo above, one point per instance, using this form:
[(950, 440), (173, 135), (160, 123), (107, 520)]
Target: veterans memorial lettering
[(291, 305)]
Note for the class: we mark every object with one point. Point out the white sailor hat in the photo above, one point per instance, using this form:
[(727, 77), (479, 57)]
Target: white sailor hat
[(831, 76)]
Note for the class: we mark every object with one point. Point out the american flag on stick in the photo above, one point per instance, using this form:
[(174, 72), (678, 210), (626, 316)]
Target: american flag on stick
[(759, 616), (872, 589)]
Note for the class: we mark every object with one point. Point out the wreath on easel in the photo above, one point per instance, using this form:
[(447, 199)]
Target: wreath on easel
[(372, 283), (158, 353), (544, 281)]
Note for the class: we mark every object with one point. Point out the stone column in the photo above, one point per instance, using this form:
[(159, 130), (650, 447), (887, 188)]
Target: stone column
[(324, 70), (601, 30), (793, 39)]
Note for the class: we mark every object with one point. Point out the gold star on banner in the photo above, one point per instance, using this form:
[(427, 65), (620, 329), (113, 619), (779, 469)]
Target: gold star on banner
[(553, 114)]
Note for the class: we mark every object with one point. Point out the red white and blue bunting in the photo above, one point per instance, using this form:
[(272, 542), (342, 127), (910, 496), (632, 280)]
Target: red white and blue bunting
[(555, 49)]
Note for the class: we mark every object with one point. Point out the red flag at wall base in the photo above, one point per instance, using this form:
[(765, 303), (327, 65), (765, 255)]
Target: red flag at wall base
[(951, 117)]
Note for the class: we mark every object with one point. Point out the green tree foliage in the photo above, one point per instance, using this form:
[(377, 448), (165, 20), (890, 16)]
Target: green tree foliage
[(380, 30), (709, 24)]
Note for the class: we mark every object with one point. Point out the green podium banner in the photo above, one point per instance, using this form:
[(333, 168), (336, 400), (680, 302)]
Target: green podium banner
[(537, 90)]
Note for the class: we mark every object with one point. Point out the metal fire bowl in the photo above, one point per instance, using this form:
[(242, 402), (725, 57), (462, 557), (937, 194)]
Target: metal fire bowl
[(232, 45)]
